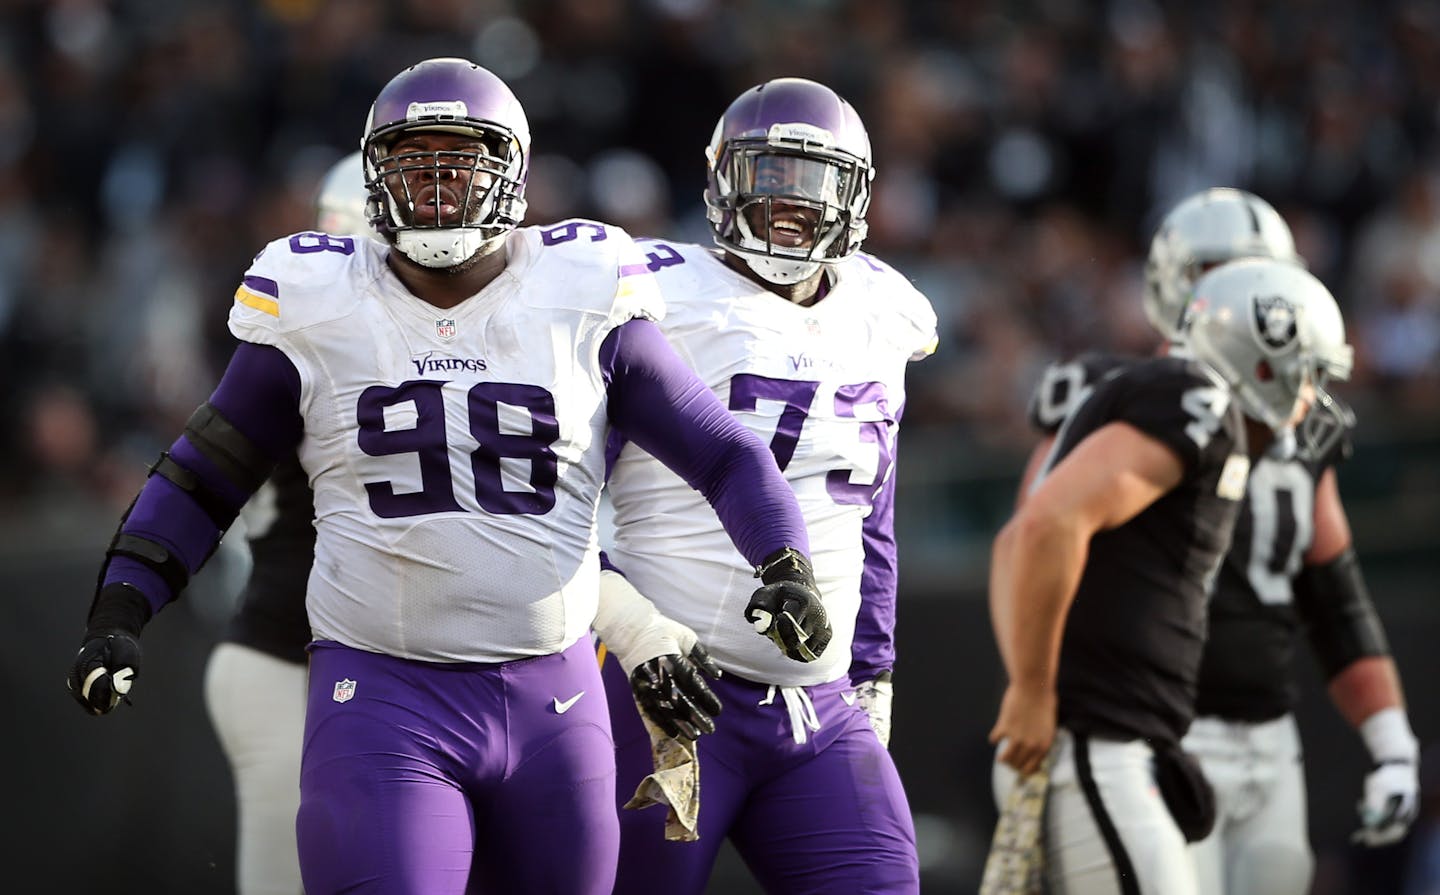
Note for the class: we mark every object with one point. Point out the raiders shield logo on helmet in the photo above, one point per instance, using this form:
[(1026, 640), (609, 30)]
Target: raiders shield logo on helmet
[(1275, 319)]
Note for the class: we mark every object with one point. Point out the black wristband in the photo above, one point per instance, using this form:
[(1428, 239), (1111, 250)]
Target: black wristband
[(119, 607), (786, 564)]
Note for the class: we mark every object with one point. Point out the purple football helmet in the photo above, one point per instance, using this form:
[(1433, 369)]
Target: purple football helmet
[(447, 96), (789, 179)]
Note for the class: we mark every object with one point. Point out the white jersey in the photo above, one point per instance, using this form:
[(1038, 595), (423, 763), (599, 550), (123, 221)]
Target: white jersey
[(456, 455), (824, 386)]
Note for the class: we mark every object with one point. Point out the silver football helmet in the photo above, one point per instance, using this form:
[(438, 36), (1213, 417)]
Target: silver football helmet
[(340, 205), (1269, 328), (1202, 232)]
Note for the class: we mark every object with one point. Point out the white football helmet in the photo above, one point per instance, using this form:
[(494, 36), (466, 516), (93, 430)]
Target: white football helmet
[(1203, 231), (1269, 328), (340, 205)]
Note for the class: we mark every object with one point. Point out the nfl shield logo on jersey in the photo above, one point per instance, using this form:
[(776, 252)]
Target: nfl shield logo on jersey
[(445, 328), (344, 691)]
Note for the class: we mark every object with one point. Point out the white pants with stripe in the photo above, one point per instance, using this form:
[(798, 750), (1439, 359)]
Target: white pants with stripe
[(1260, 842), (1107, 831), (257, 704)]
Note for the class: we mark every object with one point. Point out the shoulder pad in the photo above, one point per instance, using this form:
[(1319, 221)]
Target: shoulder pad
[(292, 284), (1181, 403), (594, 267), (1065, 384), (682, 270), (912, 312)]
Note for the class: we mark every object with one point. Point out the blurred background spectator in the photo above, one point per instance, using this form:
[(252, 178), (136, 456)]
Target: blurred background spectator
[(1025, 151)]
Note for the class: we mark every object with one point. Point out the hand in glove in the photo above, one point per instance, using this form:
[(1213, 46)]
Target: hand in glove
[(788, 608), (1391, 799), (109, 659), (876, 697), (666, 664), (1390, 803)]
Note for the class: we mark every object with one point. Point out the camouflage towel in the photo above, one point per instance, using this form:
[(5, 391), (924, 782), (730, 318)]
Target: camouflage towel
[(1016, 863), (675, 783)]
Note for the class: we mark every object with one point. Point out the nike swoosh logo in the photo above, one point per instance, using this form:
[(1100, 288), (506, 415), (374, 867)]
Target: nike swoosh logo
[(563, 707), (849, 697)]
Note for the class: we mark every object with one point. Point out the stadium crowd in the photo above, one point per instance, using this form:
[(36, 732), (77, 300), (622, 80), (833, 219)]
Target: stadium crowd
[(148, 147)]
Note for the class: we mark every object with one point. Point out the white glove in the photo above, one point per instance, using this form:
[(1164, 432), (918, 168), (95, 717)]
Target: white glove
[(1391, 800), (876, 697), (1390, 804)]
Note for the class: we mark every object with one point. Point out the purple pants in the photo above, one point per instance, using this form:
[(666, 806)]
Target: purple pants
[(828, 817), (421, 778)]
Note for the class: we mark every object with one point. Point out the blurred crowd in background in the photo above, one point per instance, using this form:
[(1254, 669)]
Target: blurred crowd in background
[(1025, 151)]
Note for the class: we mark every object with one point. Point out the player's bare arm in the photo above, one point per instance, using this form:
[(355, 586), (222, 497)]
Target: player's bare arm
[(1033, 465), (1037, 562)]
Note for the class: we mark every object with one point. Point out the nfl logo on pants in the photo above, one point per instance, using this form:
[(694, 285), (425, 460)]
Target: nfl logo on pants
[(344, 691)]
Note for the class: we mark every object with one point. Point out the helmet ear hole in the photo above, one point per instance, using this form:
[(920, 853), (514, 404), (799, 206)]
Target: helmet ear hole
[(1264, 372)]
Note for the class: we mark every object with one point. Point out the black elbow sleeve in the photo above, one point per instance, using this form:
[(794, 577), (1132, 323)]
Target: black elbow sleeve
[(1339, 616)]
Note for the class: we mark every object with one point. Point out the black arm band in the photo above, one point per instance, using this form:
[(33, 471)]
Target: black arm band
[(213, 505), (154, 555), (118, 607), (232, 452), (1339, 618)]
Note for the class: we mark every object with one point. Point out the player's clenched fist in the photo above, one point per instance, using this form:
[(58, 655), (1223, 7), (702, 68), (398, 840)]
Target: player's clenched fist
[(788, 609), (109, 659)]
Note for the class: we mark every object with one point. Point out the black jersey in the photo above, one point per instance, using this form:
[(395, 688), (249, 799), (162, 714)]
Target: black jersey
[(271, 615), (1064, 385), (1133, 638), (1246, 673)]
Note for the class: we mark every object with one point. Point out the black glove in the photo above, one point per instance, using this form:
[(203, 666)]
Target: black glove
[(673, 693), (109, 658), (788, 609)]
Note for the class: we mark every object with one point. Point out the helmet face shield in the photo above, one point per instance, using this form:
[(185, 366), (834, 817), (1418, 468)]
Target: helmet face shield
[(788, 204), (789, 179)]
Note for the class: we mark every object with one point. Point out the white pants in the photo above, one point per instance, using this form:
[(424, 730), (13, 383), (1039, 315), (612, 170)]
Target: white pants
[(1126, 843), (1259, 843), (257, 704)]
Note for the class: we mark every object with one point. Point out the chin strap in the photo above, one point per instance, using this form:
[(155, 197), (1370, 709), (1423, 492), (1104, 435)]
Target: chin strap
[(440, 249), (782, 271)]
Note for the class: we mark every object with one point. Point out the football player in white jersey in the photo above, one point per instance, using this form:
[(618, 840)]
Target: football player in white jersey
[(255, 677), (807, 341), (450, 394)]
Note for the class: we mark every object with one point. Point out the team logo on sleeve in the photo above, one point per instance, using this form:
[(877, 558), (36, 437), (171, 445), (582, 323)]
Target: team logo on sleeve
[(445, 328), (344, 691), (1275, 318)]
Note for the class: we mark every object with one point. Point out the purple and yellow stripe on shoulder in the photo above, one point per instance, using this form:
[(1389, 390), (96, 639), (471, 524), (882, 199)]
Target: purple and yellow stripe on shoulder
[(628, 273), (260, 293)]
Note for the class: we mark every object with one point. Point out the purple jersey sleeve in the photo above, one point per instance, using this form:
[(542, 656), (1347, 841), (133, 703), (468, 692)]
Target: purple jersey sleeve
[(658, 402), (873, 649), (259, 395)]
